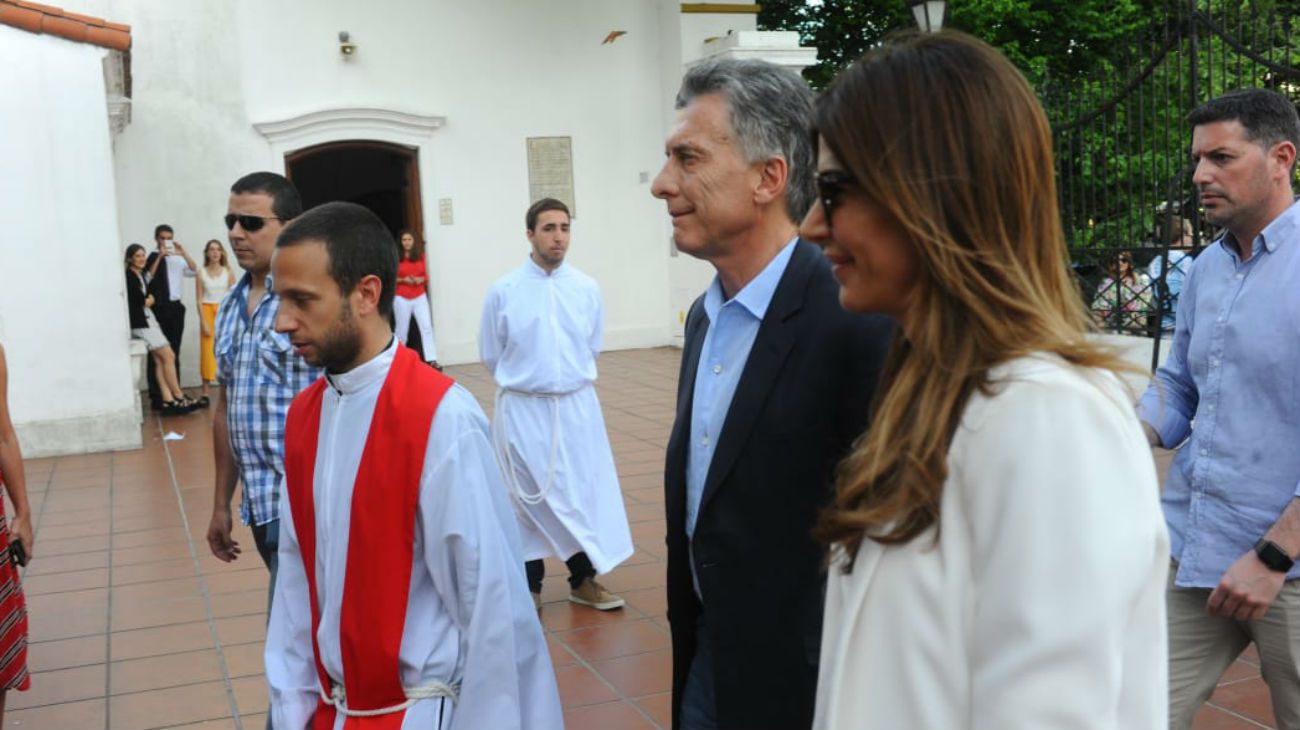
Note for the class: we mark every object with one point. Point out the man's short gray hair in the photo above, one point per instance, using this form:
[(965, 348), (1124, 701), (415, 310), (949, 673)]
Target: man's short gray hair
[(771, 108)]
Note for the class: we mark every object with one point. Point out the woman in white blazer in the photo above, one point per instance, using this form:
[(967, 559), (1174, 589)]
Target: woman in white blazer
[(998, 554)]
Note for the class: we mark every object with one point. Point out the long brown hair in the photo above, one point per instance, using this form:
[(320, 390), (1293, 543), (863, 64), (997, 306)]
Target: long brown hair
[(222, 249), (943, 132), (417, 248)]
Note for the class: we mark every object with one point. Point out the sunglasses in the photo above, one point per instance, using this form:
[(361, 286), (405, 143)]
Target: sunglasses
[(830, 186), (250, 223)]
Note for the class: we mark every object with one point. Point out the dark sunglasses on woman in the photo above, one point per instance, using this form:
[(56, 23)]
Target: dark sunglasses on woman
[(830, 186)]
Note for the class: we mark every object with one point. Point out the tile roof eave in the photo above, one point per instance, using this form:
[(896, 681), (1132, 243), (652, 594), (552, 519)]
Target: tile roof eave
[(45, 19)]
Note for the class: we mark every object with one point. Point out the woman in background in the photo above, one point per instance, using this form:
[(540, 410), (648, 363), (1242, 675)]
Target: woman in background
[(13, 606), (144, 327), (412, 296), (998, 552), (214, 280), (1124, 298)]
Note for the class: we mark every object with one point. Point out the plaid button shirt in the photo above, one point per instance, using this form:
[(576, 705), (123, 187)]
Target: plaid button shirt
[(261, 376)]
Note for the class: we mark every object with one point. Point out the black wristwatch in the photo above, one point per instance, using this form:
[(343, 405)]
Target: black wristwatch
[(1273, 557)]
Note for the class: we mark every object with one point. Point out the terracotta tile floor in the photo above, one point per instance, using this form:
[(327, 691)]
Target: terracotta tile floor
[(135, 625)]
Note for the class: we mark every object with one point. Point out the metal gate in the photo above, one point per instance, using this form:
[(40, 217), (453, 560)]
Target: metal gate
[(1122, 149)]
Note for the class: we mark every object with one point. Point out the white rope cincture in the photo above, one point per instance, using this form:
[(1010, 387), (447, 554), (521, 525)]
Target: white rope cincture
[(502, 444), (338, 698)]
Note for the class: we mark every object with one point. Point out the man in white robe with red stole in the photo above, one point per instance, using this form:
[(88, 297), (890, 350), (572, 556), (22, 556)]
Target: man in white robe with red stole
[(400, 602), (540, 335)]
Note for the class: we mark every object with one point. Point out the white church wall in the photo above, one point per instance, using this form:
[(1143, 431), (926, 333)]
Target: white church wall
[(682, 36), (189, 136), (63, 317), (496, 71), (499, 72)]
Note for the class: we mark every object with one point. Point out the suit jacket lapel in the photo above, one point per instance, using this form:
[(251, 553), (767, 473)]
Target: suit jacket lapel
[(677, 440), (776, 336)]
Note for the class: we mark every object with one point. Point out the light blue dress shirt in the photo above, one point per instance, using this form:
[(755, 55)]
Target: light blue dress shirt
[(1234, 369), (733, 325), (1179, 264)]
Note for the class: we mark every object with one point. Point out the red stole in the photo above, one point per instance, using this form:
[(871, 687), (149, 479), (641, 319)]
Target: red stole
[(381, 541)]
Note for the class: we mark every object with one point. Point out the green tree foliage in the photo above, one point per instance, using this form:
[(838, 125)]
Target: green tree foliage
[(1117, 78), (1061, 37)]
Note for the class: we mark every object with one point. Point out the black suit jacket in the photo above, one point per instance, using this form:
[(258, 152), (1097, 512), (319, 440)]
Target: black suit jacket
[(135, 296), (802, 399), (160, 285)]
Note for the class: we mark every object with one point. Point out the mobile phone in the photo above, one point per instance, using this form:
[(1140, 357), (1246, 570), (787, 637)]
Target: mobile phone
[(17, 553), (169, 247)]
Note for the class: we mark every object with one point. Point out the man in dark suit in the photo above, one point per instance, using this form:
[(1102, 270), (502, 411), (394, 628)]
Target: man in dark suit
[(168, 267), (775, 385)]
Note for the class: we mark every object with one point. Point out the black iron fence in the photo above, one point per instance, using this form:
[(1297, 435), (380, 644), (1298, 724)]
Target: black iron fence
[(1128, 205)]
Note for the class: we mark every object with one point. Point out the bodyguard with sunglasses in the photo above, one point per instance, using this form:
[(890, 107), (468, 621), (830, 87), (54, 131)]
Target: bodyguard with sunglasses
[(775, 384), (259, 373)]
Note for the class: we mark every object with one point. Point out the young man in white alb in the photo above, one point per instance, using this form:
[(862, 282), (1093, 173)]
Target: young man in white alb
[(540, 336)]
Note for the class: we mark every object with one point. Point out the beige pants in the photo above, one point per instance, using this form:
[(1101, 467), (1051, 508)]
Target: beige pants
[(1202, 646)]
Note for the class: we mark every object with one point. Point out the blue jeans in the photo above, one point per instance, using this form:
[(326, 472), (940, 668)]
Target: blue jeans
[(267, 539), (699, 705)]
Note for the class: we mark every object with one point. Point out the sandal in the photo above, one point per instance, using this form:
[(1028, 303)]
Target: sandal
[(203, 402), (174, 408)]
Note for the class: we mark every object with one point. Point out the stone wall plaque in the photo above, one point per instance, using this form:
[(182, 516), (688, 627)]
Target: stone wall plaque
[(550, 170)]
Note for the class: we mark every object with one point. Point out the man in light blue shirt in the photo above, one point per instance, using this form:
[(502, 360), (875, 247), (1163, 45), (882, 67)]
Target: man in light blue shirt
[(734, 325), (1179, 240), (1230, 394)]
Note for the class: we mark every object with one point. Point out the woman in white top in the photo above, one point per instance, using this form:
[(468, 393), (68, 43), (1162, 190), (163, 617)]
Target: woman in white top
[(214, 280), (998, 554)]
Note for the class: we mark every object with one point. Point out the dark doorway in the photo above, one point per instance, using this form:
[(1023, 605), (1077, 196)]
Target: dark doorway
[(383, 177)]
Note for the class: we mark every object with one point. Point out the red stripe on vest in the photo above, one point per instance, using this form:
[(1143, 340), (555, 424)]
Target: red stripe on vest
[(381, 540)]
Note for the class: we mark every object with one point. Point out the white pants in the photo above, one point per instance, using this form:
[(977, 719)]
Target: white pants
[(403, 308)]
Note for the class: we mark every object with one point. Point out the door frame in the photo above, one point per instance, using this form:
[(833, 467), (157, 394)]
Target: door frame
[(412, 200)]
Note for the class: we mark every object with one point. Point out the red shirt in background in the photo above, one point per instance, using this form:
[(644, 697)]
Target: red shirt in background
[(410, 268)]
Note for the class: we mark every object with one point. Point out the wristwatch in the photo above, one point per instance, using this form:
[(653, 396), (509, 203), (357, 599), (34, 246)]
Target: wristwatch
[(1273, 557)]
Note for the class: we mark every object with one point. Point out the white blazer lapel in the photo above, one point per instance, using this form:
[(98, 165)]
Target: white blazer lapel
[(844, 600)]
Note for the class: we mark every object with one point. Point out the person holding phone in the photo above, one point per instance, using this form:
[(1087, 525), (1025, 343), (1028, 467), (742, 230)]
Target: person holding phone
[(17, 534), (168, 267)]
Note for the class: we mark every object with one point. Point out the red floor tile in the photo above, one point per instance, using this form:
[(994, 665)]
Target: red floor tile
[(609, 641), (639, 674), (1212, 718), (1249, 699), (659, 707), (603, 717), (578, 687)]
